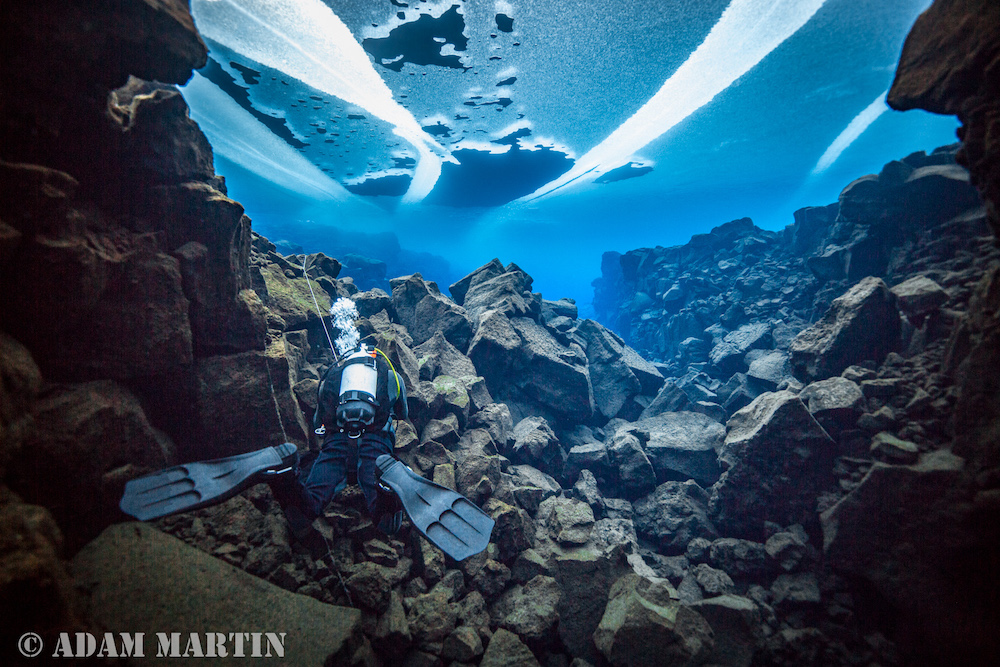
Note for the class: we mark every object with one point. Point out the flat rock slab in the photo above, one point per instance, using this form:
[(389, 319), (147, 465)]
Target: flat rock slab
[(142, 580)]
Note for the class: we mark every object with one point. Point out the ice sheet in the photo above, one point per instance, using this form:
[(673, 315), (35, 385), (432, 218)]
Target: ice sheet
[(239, 137)]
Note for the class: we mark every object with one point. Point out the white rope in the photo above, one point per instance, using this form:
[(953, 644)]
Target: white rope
[(274, 397), (305, 272)]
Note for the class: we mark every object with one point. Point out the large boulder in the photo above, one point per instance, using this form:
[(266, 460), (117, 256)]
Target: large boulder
[(436, 356), (681, 445), (611, 377), (37, 593), (423, 310), (507, 650), (523, 363), (862, 324), (727, 355), (20, 382), (244, 402), (778, 459), (141, 580), (673, 515), (529, 611), (633, 475), (89, 440), (735, 622), (836, 403), (644, 625), (585, 576), (508, 292), (88, 312), (938, 552), (537, 445)]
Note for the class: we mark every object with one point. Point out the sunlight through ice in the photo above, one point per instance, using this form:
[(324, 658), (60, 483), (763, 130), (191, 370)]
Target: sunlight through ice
[(241, 138), (747, 31), (307, 41), (853, 130)]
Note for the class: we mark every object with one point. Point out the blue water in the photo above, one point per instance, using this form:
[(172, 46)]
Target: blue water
[(752, 94)]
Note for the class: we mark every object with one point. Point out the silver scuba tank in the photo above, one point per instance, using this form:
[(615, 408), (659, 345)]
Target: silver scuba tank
[(358, 383)]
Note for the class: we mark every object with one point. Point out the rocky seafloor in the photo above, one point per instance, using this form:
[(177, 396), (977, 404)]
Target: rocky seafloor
[(787, 457)]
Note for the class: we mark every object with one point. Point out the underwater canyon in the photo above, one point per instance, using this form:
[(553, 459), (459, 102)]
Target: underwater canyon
[(765, 448)]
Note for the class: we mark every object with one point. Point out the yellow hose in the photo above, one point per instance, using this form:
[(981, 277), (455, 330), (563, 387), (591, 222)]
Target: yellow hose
[(395, 375)]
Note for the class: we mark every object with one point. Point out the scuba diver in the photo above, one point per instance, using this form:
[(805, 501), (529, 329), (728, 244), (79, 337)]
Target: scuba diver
[(359, 398)]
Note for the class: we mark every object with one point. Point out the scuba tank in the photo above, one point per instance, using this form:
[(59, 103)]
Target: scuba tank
[(357, 404)]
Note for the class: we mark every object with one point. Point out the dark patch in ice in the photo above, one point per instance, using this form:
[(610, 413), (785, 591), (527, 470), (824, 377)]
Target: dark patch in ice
[(439, 129), (414, 42), (356, 116), (501, 102), (511, 139), (624, 172), (507, 82), (504, 23), (391, 185), (251, 77), (397, 3), (486, 179), (403, 161), (213, 72)]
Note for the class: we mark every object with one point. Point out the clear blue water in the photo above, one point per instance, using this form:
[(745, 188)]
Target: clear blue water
[(752, 108)]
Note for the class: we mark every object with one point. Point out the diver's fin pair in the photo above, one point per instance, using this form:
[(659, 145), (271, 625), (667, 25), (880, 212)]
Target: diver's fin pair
[(446, 518), (191, 486)]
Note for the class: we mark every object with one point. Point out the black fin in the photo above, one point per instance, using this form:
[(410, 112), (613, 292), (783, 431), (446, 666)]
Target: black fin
[(447, 518), (192, 486)]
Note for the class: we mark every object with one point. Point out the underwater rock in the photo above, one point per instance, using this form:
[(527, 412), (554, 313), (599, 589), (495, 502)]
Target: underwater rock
[(436, 356), (590, 458), (919, 295), (244, 402), (644, 625), (131, 563), (681, 445), (935, 530), (948, 66), (633, 476), (836, 401), (507, 650), (37, 593), (90, 439), (612, 380), (740, 559), (861, 324), (536, 444), (422, 309), (529, 611), (532, 486), (735, 623), (585, 577), (778, 459), (66, 300), (548, 374), (20, 382), (673, 515), (508, 292)]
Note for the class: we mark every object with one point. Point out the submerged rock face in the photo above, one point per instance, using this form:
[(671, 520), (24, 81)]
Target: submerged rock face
[(643, 624), (778, 459), (862, 324), (133, 562)]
